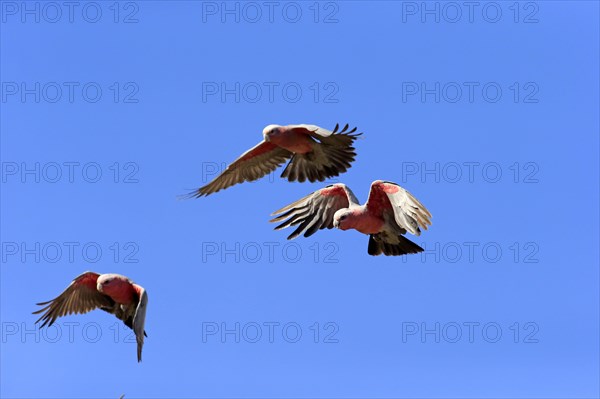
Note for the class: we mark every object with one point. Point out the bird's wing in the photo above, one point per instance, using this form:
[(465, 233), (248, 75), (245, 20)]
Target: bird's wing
[(317, 131), (315, 211), (139, 319), (260, 160), (81, 296), (333, 153), (312, 129), (387, 198)]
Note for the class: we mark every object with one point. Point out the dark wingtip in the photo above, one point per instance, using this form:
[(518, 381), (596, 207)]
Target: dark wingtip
[(281, 225), (344, 131), (192, 195), (45, 322)]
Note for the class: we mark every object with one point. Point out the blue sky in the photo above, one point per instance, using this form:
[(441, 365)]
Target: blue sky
[(488, 115)]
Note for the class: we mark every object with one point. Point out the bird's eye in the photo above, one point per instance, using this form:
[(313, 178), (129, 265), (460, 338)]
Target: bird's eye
[(343, 217)]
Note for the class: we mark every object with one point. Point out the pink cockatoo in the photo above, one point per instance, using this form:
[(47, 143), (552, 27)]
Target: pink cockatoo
[(315, 154), (112, 293), (389, 213)]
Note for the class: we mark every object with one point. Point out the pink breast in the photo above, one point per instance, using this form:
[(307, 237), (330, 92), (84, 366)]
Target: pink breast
[(294, 141), (121, 293), (368, 224)]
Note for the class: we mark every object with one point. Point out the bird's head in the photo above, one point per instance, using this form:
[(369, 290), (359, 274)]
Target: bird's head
[(271, 131), (341, 219), (105, 281)]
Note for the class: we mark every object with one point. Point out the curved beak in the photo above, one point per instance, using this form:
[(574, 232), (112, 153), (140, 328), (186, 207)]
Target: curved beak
[(336, 224)]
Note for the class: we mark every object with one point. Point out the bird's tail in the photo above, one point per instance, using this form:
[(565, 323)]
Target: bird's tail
[(140, 344), (398, 245), (330, 157)]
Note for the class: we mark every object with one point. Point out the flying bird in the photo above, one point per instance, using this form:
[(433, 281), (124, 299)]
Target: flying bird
[(388, 214), (112, 293), (314, 153)]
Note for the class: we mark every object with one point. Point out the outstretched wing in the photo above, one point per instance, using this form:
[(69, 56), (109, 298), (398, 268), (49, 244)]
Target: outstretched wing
[(139, 319), (318, 132), (315, 211), (260, 160), (390, 201), (81, 296), (333, 153)]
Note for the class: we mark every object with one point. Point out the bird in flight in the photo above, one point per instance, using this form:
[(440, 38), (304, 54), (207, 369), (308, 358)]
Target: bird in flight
[(112, 293), (388, 214), (314, 153)]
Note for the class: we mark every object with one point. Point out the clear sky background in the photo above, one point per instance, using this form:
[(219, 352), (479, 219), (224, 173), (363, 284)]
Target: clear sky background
[(488, 115)]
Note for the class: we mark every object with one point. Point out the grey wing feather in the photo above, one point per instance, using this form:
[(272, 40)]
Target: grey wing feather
[(315, 211), (248, 167), (78, 298), (409, 213), (333, 154), (313, 129), (139, 320)]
